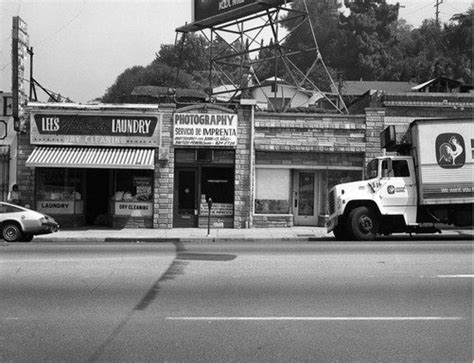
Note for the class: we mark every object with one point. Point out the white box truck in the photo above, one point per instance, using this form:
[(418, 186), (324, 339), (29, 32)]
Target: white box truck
[(428, 182)]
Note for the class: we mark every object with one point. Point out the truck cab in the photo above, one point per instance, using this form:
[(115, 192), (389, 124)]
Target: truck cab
[(388, 197)]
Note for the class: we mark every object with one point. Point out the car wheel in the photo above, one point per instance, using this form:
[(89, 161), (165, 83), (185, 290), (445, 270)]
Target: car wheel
[(28, 237), (364, 224), (11, 232)]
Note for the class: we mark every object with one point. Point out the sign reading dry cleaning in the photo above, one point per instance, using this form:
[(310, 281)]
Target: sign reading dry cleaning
[(205, 129)]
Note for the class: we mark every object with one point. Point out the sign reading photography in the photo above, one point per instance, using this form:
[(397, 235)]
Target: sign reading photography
[(204, 129), (95, 130)]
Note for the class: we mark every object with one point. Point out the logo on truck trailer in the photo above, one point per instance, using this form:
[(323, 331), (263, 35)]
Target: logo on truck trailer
[(450, 150)]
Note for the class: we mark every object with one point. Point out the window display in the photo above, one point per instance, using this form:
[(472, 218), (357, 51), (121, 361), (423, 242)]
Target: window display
[(59, 191), (133, 192), (217, 184), (272, 191)]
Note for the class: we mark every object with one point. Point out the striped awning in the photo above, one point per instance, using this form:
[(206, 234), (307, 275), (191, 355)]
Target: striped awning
[(92, 157)]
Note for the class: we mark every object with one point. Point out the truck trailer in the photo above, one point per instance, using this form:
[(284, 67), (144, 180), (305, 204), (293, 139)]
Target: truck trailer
[(423, 180)]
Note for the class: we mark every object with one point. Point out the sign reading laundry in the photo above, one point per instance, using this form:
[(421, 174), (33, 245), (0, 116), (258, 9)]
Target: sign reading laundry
[(205, 129), (95, 129)]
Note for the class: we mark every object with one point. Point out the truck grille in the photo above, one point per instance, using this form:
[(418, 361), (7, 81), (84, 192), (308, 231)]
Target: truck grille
[(332, 202)]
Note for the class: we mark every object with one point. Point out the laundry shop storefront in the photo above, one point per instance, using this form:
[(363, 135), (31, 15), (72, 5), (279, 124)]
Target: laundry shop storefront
[(204, 167), (94, 166)]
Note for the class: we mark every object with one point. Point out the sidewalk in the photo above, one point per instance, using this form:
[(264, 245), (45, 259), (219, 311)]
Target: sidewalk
[(184, 235), (300, 234)]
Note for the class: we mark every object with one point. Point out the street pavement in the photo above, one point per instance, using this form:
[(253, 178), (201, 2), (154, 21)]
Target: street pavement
[(299, 233), (323, 301)]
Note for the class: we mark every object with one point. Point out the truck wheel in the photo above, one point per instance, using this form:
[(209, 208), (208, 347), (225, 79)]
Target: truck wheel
[(341, 233), (11, 232), (364, 224)]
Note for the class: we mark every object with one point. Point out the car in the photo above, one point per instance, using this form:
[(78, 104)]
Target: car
[(20, 224)]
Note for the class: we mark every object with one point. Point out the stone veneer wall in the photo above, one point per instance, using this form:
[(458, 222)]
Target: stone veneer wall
[(243, 183), (375, 125), (164, 173), (312, 141), (25, 176), (294, 132)]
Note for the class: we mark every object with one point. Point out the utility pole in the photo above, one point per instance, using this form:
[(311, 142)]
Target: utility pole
[(438, 3)]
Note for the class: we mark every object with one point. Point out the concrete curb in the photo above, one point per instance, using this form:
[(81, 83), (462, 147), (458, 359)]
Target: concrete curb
[(178, 240)]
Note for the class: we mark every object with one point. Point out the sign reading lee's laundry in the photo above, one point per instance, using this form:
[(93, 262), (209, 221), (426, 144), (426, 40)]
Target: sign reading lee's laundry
[(95, 130), (205, 129)]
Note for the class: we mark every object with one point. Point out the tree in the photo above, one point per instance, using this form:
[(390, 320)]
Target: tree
[(458, 37), (362, 45), (190, 54), (178, 65), (155, 74), (353, 47)]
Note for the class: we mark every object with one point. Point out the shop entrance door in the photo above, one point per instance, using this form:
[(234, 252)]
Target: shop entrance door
[(305, 201), (97, 197), (185, 198)]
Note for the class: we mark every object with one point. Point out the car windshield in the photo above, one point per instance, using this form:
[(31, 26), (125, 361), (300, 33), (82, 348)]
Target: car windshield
[(372, 169), (7, 208)]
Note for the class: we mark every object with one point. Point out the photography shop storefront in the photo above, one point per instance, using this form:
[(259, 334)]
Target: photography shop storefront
[(204, 174), (95, 167)]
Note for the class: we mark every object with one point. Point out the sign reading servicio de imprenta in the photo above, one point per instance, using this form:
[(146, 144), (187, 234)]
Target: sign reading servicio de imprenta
[(204, 129)]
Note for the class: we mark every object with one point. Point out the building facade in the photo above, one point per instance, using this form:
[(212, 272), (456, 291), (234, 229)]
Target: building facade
[(155, 166), (8, 146)]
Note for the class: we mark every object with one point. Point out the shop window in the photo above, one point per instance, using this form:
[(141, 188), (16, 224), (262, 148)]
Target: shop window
[(218, 184), (272, 194), (59, 184), (60, 191), (133, 185), (204, 155)]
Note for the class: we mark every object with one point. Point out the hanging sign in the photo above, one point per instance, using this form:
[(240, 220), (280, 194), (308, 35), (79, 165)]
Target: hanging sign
[(191, 129)]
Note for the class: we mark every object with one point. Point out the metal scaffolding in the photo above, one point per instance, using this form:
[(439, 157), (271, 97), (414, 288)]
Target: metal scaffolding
[(235, 54)]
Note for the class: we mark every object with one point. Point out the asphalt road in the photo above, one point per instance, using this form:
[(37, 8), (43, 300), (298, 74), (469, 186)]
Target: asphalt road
[(317, 301)]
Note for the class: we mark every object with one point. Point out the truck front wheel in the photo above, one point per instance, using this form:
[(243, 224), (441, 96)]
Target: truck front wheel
[(363, 223), (341, 233)]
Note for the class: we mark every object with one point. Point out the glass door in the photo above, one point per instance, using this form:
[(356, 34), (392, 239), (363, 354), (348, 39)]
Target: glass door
[(185, 198), (305, 206)]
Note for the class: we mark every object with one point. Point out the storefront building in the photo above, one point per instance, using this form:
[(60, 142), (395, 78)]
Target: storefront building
[(299, 157), (160, 167), (91, 165)]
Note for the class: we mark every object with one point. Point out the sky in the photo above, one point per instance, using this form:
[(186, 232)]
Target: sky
[(81, 46)]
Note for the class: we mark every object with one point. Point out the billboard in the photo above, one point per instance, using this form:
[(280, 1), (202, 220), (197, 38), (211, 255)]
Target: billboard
[(205, 9), (19, 59)]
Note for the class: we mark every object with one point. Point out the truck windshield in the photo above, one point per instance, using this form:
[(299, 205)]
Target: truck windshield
[(372, 169)]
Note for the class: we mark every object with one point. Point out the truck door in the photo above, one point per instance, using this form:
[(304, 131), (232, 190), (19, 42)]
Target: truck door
[(398, 192)]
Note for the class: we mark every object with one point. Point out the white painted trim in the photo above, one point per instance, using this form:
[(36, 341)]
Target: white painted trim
[(306, 167), (314, 318)]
